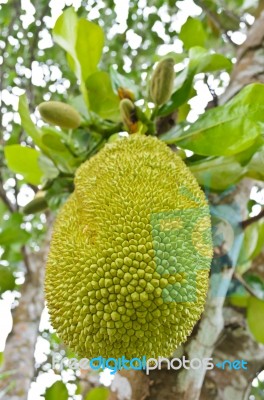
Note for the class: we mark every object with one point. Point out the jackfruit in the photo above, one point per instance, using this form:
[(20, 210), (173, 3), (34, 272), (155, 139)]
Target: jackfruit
[(60, 114), (127, 272)]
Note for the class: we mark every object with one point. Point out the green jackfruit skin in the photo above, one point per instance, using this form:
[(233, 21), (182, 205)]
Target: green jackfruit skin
[(127, 272)]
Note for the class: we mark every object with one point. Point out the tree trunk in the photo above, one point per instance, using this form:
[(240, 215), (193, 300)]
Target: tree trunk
[(250, 61), (20, 346)]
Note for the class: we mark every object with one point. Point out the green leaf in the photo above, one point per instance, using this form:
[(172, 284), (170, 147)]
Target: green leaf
[(217, 173), (243, 268), (245, 157), (260, 241), (13, 235), (103, 100), (57, 391), (27, 122), (11, 231), (256, 165), (24, 161), (65, 33), (53, 142), (192, 33), (181, 95), (47, 167), (255, 318), (200, 61), (59, 192), (7, 279), (183, 112), (83, 41), (79, 104), (253, 242), (121, 81), (239, 298), (89, 46), (172, 135), (100, 393), (227, 129)]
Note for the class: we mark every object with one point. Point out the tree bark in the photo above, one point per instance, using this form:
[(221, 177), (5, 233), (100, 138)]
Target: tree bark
[(250, 60), (20, 346)]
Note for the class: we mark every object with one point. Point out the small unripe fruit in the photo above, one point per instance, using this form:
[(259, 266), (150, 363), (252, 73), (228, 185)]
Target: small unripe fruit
[(129, 115), (38, 204), (161, 85), (60, 114)]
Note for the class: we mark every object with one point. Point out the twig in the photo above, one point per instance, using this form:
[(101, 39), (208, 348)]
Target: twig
[(16, 194), (26, 259), (216, 21), (4, 197), (247, 222), (211, 90), (241, 280)]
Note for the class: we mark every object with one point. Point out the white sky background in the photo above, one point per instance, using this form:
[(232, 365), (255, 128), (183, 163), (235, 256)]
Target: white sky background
[(187, 8)]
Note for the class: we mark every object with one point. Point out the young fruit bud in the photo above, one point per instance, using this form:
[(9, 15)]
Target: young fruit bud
[(125, 94), (61, 114), (129, 115), (161, 85), (39, 203)]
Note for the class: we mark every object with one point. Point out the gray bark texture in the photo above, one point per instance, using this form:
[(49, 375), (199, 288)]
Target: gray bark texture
[(20, 346)]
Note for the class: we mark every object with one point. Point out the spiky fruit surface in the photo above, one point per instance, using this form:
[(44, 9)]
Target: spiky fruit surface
[(127, 272), (60, 114)]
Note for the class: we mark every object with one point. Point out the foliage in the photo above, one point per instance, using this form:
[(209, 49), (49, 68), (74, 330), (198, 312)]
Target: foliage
[(57, 391), (98, 394)]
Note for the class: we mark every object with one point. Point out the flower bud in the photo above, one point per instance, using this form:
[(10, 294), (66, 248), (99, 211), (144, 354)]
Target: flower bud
[(125, 94), (129, 115), (60, 114), (161, 85)]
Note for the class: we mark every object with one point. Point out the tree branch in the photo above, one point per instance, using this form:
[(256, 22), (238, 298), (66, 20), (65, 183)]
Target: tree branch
[(240, 279), (250, 221), (216, 21), (249, 66), (4, 197), (237, 343)]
